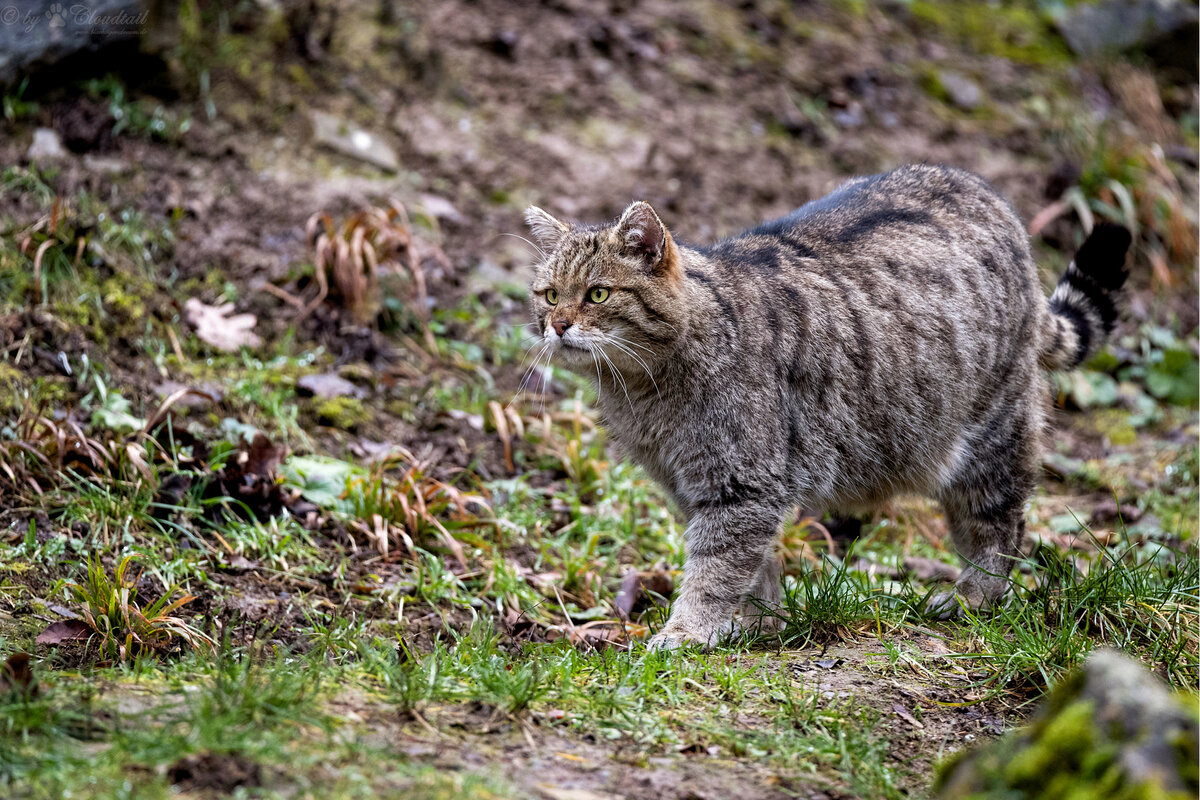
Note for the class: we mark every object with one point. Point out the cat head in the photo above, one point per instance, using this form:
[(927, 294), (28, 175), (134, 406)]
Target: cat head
[(607, 293)]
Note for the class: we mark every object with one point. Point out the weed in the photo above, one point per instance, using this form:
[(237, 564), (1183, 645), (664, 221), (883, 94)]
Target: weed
[(15, 105), (124, 629), (132, 116)]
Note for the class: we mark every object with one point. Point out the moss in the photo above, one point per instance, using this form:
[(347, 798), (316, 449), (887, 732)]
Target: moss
[(1011, 30), (1115, 425), (346, 413), (1064, 755), (1066, 737), (120, 301)]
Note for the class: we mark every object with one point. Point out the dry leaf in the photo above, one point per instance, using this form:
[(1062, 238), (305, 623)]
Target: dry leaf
[(220, 327), (903, 714), (930, 569), (16, 676), (640, 590), (71, 630)]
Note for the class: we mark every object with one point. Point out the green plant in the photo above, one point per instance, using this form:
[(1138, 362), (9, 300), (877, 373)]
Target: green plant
[(16, 106), (126, 630)]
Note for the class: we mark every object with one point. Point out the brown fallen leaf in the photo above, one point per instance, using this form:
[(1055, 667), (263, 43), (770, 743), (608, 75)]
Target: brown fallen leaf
[(261, 457), (930, 569), (903, 714), (16, 676), (69, 630), (220, 327), (640, 590), (1108, 512)]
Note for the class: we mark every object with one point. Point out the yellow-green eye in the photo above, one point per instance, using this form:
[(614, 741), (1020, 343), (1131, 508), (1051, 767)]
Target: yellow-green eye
[(552, 297), (597, 294)]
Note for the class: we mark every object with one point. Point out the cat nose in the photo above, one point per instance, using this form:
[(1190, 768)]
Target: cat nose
[(561, 325)]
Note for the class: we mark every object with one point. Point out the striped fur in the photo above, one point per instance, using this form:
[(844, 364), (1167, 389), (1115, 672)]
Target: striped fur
[(885, 339), (1084, 304)]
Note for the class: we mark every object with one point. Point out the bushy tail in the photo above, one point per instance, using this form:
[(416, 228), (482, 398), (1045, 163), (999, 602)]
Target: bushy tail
[(1083, 307)]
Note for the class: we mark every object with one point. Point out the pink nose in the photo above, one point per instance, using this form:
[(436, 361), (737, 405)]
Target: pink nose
[(561, 325)]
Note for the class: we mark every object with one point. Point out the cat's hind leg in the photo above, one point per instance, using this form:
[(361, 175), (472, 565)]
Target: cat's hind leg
[(984, 504), (761, 611)]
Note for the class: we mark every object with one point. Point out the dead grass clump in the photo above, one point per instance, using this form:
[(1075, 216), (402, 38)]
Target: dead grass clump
[(350, 260)]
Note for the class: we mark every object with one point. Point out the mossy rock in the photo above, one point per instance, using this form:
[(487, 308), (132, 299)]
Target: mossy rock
[(1110, 731), (346, 413)]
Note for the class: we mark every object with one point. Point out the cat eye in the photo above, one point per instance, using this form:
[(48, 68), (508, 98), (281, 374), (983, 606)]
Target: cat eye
[(552, 297), (597, 294)]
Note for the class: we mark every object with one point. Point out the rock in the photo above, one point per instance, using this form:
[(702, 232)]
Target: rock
[(353, 141), (327, 386), (488, 276), (960, 90), (1108, 512), (202, 396), (1109, 730), (106, 165), (35, 34), (1166, 29), (46, 146), (440, 208)]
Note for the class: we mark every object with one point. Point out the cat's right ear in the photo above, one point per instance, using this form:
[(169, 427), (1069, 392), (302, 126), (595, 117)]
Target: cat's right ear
[(545, 228)]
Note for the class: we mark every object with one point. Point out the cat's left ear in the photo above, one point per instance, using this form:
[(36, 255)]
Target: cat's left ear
[(643, 236)]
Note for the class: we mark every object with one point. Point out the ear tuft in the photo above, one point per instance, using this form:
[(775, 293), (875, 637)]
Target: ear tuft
[(644, 236), (545, 228)]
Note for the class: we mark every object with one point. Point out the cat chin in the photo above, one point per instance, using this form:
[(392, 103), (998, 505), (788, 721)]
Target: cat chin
[(573, 357)]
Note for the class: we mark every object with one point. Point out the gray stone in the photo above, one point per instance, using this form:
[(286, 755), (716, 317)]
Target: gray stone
[(1093, 29), (46, 146), (35, 34), (328, 386), (960, 90), (353, 141)]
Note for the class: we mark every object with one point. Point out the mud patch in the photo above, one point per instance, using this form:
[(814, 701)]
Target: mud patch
[(217, 772)]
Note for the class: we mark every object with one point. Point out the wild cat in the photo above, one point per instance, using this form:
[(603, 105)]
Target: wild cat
[(889, 338)]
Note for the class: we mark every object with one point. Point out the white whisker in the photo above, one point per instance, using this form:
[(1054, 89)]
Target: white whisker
[(547, 377), (528, 373), (541, 252), (596, 362), (617, 375), (623, 340), (615, 343)]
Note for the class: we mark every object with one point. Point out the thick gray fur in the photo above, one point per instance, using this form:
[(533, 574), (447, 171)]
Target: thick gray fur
[(887, 339)]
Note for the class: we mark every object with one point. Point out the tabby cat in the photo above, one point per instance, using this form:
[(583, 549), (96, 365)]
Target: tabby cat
[(889, 338)]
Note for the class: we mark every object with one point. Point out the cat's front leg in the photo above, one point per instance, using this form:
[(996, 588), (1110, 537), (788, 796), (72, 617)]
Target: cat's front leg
[(725, 547)]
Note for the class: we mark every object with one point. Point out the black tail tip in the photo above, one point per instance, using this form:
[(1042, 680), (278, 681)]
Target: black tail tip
[(1102, 255)]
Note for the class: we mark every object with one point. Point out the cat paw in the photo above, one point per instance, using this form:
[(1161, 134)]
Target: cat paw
[(944, 605), (671, 638), (665, 640)]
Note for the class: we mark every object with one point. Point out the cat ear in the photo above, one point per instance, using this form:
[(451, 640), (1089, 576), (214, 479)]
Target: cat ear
[(546, 229), (644, 236)]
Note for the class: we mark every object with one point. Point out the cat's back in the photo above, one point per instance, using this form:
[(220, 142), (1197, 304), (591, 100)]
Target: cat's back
[(915, 198), (917, 222), (921, 240)]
